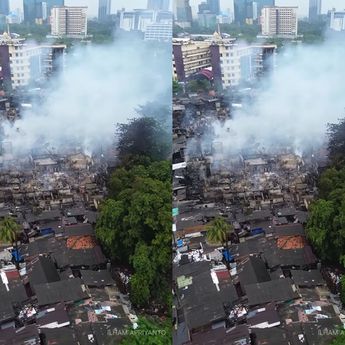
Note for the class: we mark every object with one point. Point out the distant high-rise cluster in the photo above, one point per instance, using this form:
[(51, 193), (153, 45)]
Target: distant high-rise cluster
[(104, 10), (249, 11), (158, 5), (38, 11), (314, 9), (183, 13)]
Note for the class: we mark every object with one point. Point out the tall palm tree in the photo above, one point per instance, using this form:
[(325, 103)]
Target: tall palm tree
[(218, 232), (9, 231)]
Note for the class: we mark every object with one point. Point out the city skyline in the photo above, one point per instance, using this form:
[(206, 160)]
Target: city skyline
[(92, 5), (303, 5)]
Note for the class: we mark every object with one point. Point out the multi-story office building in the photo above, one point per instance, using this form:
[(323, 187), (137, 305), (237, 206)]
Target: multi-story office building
[(279, 21), (183, 13), (243, 11), (159, 32), (139, 20), (104, 10), (22, 64), (158, 5), (314, 9), (233, 63), (69, 21), (190, 57), (336, 20), (37, 11)]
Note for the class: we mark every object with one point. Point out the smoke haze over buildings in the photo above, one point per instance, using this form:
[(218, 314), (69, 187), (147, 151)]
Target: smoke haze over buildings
[(99, 88), (293, 108)]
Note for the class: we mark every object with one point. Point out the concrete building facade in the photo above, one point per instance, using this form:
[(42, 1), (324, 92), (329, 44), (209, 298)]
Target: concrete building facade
[(337, 20), (158, 32), (183, 13), (104, 10), (279, 21), (69, 21), (190, 57), (22, 64), (314, 10)]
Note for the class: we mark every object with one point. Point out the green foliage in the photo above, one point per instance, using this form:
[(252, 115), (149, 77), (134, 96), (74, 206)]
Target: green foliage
[(8, 230), (342, 289), (336, 146), (150, 333), (312, 32), (219, 231), (177, 88), (143, 137), (340, 339), (101, 33), (31, 31), (326, 224), (134, 227), (198, 85)]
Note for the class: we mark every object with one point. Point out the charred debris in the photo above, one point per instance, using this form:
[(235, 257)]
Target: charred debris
[(276, 291)]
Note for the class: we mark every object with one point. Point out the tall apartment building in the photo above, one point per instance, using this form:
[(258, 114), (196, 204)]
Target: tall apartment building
[(314, 10), (183, 13), (139, 20), (158, 32), (104, 10), (69, 21), (158, 5), (190, 57), (21, 63), (279, 21), (233, 63), (336, 20), (249, 11), (37, 11)]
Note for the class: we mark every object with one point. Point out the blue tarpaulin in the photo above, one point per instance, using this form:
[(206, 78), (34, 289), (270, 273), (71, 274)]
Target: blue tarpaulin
[(47, 231), (257, 231), (227, 255), (16, 254), (180, 243)]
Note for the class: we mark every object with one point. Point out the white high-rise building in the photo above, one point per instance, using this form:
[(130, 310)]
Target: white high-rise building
[(69, 21), (23, 63), (280, 21), (337, 20)]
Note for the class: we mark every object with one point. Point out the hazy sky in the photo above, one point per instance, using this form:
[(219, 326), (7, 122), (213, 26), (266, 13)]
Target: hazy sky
[(93, 4)]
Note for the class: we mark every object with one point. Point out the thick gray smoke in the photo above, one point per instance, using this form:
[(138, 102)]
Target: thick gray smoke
[(306, 91), (100, 87)]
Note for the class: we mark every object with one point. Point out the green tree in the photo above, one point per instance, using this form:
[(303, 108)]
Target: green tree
[(342, 289), (340, 339), (336, 146), (219, 231), (150, 332), (199, 85), (177, 88), (143, 137), (139, 211), (9, 229)]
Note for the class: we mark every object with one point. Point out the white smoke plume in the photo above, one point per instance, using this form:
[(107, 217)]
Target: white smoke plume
[(293, 107), (100, 87)]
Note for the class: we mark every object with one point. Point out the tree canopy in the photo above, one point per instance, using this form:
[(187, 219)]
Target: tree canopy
[(8, 230), (142, 137), (150, 332), (134, 225), (326, 224)]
